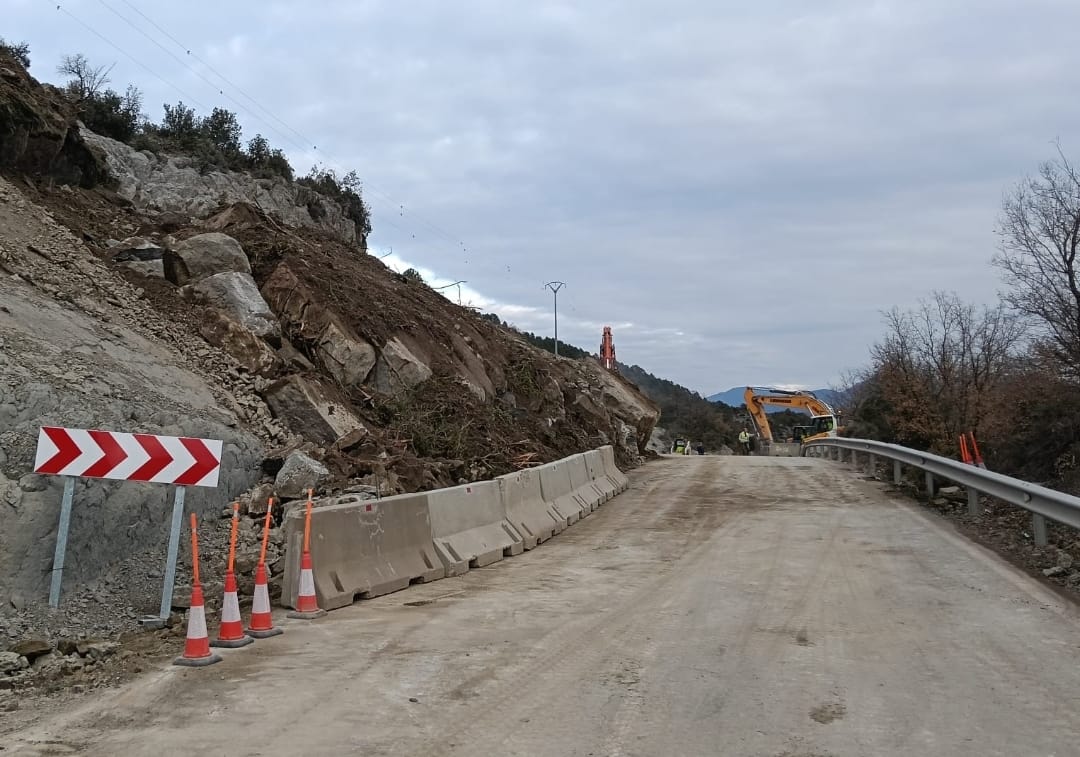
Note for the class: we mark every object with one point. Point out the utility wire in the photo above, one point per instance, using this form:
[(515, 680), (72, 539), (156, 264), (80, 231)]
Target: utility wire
[(372, 190), (438, 231), (135, 60), (218, 74), (302, 147)]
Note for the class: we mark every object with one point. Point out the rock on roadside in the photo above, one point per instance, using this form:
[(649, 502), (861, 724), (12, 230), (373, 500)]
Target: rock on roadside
[(298, 474)]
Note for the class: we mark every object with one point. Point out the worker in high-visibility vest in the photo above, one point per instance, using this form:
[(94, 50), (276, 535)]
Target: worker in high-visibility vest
[(744, 442)]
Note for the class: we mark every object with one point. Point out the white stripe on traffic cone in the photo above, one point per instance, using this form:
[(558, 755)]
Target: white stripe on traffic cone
[(262, 622)]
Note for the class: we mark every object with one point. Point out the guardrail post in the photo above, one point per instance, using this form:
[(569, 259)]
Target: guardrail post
[(974, 506), (837, 453), (1038, 528), (929, 486), (871, 465), (897, 472)]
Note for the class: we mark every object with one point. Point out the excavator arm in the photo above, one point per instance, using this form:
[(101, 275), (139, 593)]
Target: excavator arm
[(757, 412), (823, 417)]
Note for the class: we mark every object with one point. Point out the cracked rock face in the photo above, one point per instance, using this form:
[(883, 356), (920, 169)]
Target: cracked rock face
[(398, 369), (176, 184), (238, 295)]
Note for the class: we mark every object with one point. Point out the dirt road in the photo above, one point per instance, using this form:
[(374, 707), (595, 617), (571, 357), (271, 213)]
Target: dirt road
[(723, 606)]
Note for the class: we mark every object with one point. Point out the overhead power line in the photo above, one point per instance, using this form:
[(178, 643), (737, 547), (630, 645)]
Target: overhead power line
[(305, 144)]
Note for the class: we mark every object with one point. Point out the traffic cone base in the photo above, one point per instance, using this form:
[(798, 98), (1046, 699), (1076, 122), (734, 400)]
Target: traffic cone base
[(231, 633), (264, 634), (232, 643), (197, 662), (306, 615), (262, 621), (197, 652), (307, 605)]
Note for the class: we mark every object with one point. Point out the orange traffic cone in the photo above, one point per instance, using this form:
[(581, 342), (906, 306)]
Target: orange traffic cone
[(262, 622), (197, 647), (231, 632), (307, 604)]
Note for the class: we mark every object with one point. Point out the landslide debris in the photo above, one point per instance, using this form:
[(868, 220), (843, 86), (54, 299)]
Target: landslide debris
[(138, 293)]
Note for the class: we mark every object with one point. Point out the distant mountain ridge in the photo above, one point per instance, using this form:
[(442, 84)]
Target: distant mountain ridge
[(734, 397)]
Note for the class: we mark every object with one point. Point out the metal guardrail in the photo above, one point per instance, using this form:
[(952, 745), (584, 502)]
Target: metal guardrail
[(1040, 501)]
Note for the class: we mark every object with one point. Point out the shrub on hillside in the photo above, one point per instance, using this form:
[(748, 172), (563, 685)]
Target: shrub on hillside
[(213, 141), (20, 51), (346, 191)]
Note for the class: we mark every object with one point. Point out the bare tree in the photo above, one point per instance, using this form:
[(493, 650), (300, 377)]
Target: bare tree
[(1040, 236), (85, 81), (939, 366)]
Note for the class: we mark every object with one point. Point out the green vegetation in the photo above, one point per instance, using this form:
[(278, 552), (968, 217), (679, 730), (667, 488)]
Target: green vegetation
[(214, 141), (20, 51), (346, 191)]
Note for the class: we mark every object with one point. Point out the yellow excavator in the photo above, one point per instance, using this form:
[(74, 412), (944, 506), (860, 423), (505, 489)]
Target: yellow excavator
[(822, 418)]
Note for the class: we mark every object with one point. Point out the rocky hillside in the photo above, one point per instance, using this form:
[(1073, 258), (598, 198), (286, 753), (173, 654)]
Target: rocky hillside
[(138, 293)]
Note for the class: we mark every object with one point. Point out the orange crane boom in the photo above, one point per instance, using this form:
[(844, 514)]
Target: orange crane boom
[(607, 350)]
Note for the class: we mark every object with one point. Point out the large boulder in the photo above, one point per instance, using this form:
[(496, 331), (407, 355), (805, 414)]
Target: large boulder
[(298, 474), (11, 662), (250, 351), (141, 255), (348, 358), (343, 354), (204, 255), (311, 408), (398, 369), (238, 295), (31, 649)]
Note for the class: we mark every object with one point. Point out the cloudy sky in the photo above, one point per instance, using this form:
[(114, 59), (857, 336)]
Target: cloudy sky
[(738, 188)]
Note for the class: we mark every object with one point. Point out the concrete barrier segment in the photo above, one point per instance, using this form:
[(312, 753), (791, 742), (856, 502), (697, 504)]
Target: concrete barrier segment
[(362, 549), (525, 508), (594, 463), (469, 526), (558, 493), (617, 476), (581, 484)]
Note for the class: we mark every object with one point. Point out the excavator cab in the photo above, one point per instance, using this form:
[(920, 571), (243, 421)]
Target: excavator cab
[(820, 427)]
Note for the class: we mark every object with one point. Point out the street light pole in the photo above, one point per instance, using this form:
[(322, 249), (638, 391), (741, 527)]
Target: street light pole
[(555, 286)]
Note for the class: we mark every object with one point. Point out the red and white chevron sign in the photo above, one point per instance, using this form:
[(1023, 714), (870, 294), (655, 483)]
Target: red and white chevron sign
[(128, 457)]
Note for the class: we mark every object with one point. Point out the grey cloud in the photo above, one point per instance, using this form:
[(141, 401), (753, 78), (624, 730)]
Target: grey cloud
[(742, 187)]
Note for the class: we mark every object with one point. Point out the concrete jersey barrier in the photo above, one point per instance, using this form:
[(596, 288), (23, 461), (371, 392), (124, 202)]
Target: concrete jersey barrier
[(581, 484), (594, 464), (469, 527), (362, 549), (366, 548), (525, 508), (612, 470), (557, 491)]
